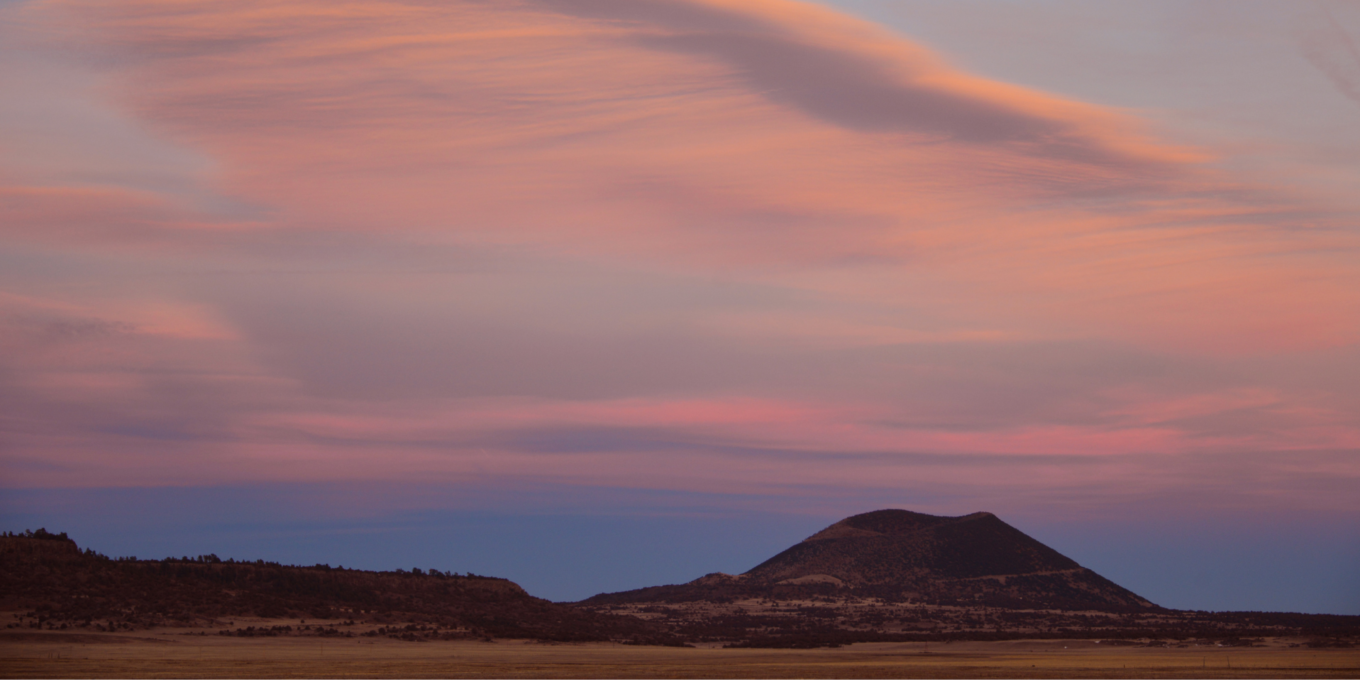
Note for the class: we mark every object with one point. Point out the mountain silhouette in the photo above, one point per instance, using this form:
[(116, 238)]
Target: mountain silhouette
[(903, 556), (48, 579), (885, 576)]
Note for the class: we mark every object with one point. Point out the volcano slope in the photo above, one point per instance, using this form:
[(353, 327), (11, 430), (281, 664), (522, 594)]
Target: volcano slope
[(893, 575)]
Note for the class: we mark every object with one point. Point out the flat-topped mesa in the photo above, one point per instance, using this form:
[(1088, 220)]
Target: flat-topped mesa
[(87, 591), (40, 546)]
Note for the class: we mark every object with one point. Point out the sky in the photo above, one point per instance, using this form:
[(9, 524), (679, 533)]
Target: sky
[(600, 294)]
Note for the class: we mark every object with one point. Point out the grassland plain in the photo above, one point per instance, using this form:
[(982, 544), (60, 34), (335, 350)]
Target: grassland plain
[(185, 653)]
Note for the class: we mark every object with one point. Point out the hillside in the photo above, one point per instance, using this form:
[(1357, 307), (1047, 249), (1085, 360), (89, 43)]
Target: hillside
[(894, 575), (902, 556), (57, 586), (884, 576)]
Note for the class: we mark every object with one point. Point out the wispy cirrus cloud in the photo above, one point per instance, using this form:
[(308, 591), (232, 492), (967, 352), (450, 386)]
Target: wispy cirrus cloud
[(1333, 50), (860, 77), (693, 243)]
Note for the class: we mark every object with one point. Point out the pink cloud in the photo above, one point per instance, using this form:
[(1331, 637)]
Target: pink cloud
[(692, 243), (599, 134)]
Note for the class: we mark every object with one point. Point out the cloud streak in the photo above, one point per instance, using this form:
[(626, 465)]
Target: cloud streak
[(859, 77), (1335, 52), (683, 244)]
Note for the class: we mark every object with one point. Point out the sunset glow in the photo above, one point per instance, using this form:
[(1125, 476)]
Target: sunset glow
[(750, 247)]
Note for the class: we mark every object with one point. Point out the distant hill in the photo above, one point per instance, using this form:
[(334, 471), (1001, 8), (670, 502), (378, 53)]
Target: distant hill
[(895, 575), (890, 575), (902, 556), (58, 586)]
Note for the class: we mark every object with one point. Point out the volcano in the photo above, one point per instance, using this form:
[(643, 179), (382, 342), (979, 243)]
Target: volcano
[(902, 556)]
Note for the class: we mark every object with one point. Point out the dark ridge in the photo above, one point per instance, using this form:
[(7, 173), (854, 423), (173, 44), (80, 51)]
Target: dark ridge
[(41, 534), (59, 587), (54, 586)]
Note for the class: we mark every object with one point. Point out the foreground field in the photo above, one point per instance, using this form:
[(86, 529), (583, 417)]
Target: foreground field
[(171, 653)]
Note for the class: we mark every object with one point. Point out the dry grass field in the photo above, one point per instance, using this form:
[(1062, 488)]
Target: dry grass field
[(177, 653)]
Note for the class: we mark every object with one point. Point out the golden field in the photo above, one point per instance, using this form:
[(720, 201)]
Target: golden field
[(183, 653)]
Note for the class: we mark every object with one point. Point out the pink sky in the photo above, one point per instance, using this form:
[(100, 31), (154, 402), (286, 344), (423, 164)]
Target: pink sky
[(702, 245)]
